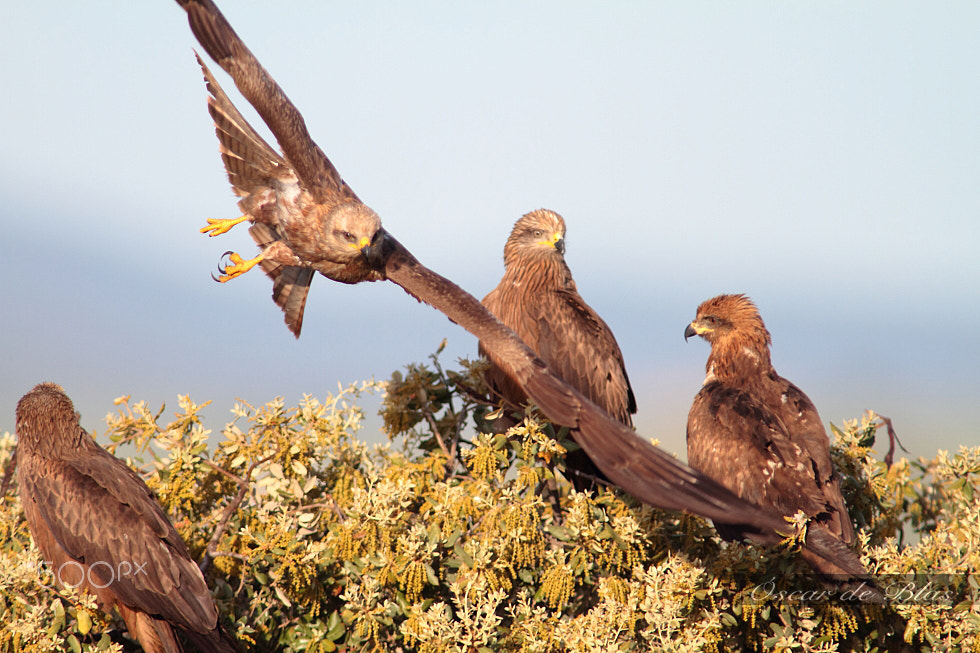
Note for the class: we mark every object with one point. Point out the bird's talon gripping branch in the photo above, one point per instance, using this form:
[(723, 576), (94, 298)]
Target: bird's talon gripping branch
[(218, 226), (237, 267)]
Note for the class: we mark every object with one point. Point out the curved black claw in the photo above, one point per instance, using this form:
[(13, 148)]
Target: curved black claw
[(222, 266)]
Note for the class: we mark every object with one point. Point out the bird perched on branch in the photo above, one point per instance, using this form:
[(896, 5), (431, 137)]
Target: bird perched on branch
[(99, 528), (537, 298), (755, 432), (632, 463)]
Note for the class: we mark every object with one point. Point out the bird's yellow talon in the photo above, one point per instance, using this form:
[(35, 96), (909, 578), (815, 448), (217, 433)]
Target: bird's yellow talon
[(218, 226), (238, 267)]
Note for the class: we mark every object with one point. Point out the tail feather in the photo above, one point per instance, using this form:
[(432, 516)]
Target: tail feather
[(154, 635), (214, 641), (290, 284)]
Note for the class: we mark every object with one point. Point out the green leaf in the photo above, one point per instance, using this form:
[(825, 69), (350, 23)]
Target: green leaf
[(559, 532), (434, 532), (337, 627), (84, 621), (464, 556)]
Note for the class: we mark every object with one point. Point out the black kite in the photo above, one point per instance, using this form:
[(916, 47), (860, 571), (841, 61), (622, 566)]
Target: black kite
[(629, 461), (755, 432), (302, 228), (537, 298), (99, 528)]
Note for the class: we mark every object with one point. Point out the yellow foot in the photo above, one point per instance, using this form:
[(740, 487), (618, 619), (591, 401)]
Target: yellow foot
[(237, 267), (218, 226)]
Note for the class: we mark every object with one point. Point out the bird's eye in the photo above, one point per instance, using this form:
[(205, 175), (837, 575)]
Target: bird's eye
[(349, 236), (538, 233)]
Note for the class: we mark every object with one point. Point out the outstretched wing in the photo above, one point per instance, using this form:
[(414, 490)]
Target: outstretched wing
[(634, 464), (317, 174), (251, 163), (101, 515)]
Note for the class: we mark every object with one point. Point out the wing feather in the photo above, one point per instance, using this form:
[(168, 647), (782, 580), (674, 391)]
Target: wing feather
[(801, 415), (580, 347), (737, 439), (249, 160), (572, 340), (103, 516), (641, 469), (216, 36)]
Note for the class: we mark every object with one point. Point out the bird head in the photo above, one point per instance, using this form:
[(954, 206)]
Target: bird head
[(540, 232), (730, 319), (46, 421), (353, 230)]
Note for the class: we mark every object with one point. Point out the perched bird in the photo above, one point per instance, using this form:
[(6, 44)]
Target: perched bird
[(537, 298), (631, 462), (99, 528), (755, 432)]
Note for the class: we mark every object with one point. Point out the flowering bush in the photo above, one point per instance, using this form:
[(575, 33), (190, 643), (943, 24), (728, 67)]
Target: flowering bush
[(448, 538)]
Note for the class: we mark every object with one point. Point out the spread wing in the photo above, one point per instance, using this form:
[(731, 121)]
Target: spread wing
[(317, 174), (634, 464), (100, 514), (251, 163), (643, 470)]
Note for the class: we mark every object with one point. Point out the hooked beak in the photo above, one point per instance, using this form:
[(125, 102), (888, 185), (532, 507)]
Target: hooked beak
[(560, 244), (691, 330), (374, 250)]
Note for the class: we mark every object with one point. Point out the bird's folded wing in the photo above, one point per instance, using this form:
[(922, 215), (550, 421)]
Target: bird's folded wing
[(104, 517)]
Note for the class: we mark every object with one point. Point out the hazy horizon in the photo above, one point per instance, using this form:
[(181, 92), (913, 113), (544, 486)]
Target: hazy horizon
[(821, 158)]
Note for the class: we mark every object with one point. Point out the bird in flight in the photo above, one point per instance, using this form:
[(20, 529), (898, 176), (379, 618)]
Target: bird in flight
[(537, 298), (629, 461), (99, 528), (304, 216), (755, 432)]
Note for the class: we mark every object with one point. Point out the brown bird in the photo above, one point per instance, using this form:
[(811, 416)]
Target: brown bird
[(755, 432), (631, 462), (99, 528), (304, 216), (537, 298)]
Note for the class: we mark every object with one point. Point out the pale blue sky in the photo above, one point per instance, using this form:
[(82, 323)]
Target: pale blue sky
[(822, 157)]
